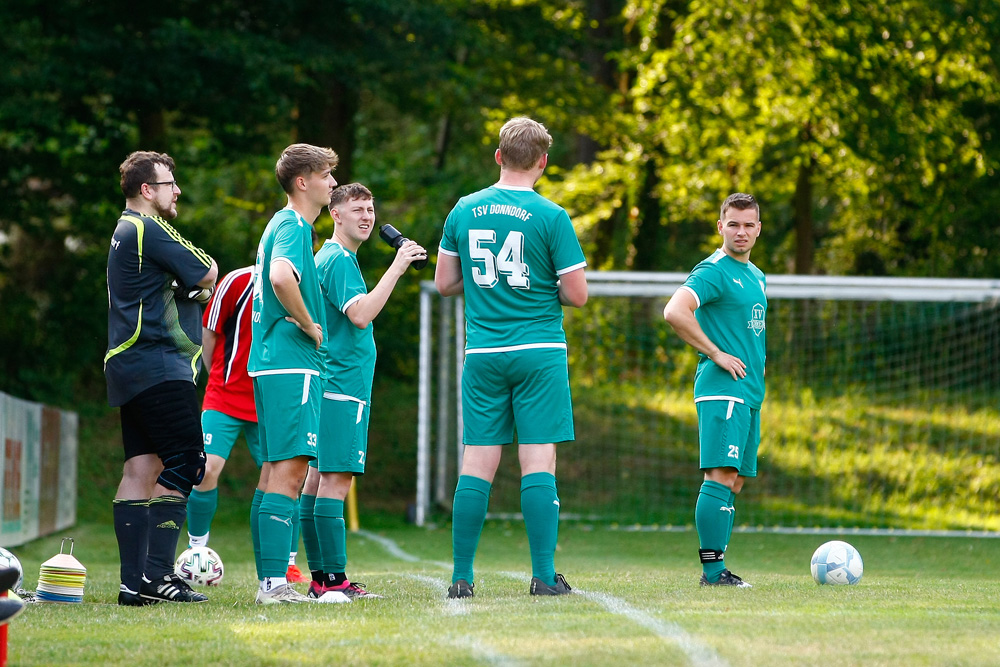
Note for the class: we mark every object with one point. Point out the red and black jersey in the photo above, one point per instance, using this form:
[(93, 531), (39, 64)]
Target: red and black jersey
[(230, 389)]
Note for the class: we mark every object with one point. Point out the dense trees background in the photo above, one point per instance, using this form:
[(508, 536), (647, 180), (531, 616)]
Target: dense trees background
[(868, 130)]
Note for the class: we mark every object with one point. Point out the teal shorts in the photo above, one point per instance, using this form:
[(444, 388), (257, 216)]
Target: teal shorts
[(287, 415), (343, 435), (526, 389), (221, 430), (729, 433)]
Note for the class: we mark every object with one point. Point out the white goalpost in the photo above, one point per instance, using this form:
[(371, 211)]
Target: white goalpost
[(883, 406)]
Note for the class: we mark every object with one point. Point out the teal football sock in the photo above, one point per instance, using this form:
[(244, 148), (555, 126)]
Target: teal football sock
[(540, 508), (732, 517), (332, 534), (201, 510), (258, 496), (472, 497), (711, 518), (307, 525), (294, 545), (275, 521)]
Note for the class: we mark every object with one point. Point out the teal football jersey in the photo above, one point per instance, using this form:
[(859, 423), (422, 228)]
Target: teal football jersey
[(279, 346), (350, 358), (732, 305), (513, 245)]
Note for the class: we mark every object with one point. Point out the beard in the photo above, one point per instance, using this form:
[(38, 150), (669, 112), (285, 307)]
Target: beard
[(167, 213)]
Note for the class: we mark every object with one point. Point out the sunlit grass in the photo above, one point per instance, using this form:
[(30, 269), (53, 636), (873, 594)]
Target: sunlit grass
[(921, 601)]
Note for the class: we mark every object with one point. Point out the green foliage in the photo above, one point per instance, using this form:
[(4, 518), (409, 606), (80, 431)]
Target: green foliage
[(866, 130), (223, 87), (865, 125)]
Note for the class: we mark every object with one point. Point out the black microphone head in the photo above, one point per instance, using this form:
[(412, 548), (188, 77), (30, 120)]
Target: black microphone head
[(395, 238), (391, 235)]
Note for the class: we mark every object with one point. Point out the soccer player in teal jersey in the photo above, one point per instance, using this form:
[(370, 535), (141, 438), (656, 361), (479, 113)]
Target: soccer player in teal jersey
[(720, 311), (515, 257), (287, 359), (343, 437)]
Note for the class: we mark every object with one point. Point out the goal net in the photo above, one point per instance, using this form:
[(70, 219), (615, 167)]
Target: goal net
[(882, 407)]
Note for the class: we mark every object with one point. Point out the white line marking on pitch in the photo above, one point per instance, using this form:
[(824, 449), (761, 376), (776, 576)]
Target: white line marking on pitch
[(465, 643), (451, 607), (390, 546), (699, 654), (395, 550)]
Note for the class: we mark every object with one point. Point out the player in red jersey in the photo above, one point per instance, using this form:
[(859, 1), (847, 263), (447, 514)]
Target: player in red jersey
[(228, 408)]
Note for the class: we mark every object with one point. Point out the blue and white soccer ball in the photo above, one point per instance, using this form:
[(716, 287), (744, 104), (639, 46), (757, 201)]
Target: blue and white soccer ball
[(200, 565), (837, 563), (7, 559)]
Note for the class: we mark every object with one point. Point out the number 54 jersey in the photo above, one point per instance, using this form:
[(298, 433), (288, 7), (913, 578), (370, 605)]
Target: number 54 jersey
[(513, 244)]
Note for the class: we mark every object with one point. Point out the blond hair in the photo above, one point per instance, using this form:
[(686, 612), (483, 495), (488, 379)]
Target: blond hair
[(302, 160), (523, 142)]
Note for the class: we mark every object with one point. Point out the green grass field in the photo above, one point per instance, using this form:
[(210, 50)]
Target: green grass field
[(922, 601)]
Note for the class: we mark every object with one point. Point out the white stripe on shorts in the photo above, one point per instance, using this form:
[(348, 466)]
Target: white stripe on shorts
[(515, 348), (305, 389), (283, 371), (330, 396), (729, 412), (735, 399)]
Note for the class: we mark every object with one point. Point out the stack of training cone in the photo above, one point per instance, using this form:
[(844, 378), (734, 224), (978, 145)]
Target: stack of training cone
[(61, 578)]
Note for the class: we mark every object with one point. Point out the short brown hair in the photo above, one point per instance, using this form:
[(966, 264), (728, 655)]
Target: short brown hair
[(300, 160), (344, 193), (523, 142), (140, 167), (741, 202)]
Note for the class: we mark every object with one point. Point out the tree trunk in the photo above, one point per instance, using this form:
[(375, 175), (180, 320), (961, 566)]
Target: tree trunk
[(647, 237), (444, 124), (601, 39), (604, 241), (328, 119), (152, 130), (805, 239)]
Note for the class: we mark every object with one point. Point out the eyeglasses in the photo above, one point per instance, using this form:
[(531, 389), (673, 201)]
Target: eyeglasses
[(172, 184)]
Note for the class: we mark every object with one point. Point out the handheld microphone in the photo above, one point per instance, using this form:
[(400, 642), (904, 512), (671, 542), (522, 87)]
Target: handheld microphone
[(395, 238)]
